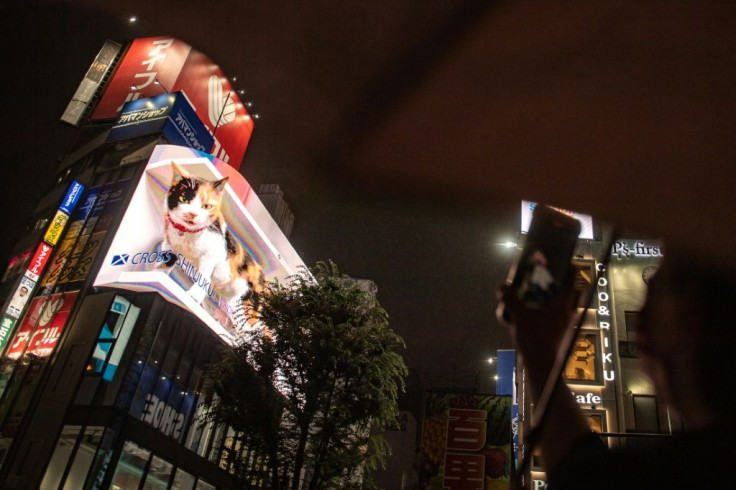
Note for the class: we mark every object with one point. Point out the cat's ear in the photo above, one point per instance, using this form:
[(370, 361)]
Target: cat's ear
[(220, 184), (178, 173)]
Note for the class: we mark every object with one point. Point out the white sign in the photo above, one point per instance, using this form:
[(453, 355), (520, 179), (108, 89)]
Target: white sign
[(586, 221), (628, 250)]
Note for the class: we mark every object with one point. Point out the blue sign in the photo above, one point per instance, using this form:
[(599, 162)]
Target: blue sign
[(72, 197), (505, 367), (168, 114), (506, 385), (160, 401)]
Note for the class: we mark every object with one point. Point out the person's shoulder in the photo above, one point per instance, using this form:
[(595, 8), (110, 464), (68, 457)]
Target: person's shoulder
[(698, 460)]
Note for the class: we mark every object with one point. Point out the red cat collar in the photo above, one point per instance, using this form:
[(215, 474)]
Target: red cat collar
[(182, 228)]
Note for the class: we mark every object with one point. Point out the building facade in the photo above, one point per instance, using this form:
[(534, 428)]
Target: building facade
[(110, 316), (602, 369)]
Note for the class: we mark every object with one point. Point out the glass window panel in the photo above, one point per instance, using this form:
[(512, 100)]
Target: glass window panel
[(96, 363), (150, 372), (122, 334), (203, 485), (195, 440), (217, 443), (159, 474), (83, 458), (130, 467), (582, 365), (182, 480), (646, 416), (60, 458)]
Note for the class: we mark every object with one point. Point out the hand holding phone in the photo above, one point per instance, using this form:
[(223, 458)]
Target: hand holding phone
[(544, 263)]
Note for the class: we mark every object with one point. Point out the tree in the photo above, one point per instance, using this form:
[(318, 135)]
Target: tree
[(313, 391)]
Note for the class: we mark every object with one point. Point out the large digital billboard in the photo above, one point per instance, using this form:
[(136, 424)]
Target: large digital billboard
[(586, 221), (466, 442), (90, 83), (157, 65), (195, 232)]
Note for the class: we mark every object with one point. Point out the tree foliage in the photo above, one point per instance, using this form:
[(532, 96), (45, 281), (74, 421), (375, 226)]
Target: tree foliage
[(314, 389)]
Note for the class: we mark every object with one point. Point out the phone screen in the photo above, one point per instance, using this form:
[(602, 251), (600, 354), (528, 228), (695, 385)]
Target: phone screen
[(544, 263)]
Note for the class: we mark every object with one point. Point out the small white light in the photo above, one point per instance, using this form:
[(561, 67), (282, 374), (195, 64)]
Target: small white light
[(495, 377), (256, 116), (490, 360), (235, 79), (132, 19), (510, 244)]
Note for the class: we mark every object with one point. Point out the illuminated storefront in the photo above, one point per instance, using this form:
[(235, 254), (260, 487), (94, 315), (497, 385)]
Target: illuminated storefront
[(602, 370)]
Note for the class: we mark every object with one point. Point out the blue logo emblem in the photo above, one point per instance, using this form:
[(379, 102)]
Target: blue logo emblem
[(120, 259)]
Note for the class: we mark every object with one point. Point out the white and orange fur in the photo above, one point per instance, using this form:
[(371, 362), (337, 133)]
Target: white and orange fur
[(195, 228)]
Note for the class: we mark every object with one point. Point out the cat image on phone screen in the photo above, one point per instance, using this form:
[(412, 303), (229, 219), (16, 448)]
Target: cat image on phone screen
[(538, 284)]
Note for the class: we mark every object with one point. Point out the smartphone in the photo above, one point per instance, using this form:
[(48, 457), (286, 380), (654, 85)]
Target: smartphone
[(544, 263)]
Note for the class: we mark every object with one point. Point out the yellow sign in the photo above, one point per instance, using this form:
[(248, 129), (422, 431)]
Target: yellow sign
[(56, 227)]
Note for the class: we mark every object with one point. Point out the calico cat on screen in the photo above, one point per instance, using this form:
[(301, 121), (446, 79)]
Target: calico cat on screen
[(195, 228)]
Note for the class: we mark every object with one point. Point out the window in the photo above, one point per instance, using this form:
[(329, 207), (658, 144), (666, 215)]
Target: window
[(80, 453), (113, 338), (102, 365), (631, 318), (202, 485), (583, 366), (646, 414), (131, 467), (159, 473), (596, 420), (137, 464), (182, 480)]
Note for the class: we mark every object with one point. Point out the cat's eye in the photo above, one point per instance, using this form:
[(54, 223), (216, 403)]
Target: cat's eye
[(182, 198), (207, 206)]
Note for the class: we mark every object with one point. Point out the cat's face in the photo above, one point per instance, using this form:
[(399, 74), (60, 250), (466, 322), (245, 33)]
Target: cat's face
[(192, 202)]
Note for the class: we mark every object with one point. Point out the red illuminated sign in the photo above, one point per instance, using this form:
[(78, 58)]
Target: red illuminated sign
[(157, 65), (39, 261), (466, 442), (42, 325)]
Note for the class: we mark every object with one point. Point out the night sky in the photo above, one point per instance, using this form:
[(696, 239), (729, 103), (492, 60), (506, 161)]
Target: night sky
[(436, 260), (405, 134)]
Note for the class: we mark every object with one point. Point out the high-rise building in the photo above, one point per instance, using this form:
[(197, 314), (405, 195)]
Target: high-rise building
[(272, 197), (135, 273)]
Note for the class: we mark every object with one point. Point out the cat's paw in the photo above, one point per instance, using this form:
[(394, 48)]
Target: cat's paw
[(197, 293)]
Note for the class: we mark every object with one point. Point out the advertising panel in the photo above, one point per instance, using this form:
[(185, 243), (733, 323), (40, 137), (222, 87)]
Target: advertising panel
[(156, 65), (42, 326), (40, 259), (196, 233), (466, 442), (586, 221), (506, 385), (16, 265), (88, 86), (170, 114)]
